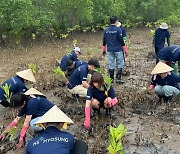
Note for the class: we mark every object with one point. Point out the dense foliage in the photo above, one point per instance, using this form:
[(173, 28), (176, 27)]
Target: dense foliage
[(57, 18)]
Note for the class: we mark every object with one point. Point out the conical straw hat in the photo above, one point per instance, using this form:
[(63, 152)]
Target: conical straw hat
[(161, 68), (33, 91), (27, 74), (54, 115)]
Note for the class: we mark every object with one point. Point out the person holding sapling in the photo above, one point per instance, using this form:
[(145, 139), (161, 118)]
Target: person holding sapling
[(33, 104), (170, 55), (53, 139), (73, 56), (99, 95), (164, 82), (15, 85), (78, 82)]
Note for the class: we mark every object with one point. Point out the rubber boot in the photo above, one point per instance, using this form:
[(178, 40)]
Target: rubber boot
[(118, 76), (160, 99), (111, 73), (110, 113), (95, 112), (167, 100)]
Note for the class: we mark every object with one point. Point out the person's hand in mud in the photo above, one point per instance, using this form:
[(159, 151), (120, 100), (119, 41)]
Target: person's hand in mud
[(20, 144), (3, 136)]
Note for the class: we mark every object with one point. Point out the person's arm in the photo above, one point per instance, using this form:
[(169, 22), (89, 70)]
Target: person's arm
[(87, 114), (85, 84), (168, 38), (24, 130), (120, 38), (11, 125), (168, 41), (104, 45)]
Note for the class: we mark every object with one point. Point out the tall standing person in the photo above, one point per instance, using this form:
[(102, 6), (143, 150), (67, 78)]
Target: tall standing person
[(115, 45), (160, 35)]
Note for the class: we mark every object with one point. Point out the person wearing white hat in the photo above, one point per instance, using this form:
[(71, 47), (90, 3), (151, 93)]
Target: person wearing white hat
[(33, 104), (123, 31), (170, 55), (16, 84), (164, 82), (53, 139), (160, 35), (73, 55)]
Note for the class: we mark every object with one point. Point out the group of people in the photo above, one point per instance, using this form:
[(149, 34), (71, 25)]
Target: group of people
[(84, 81), (165, 80), (37, 109)]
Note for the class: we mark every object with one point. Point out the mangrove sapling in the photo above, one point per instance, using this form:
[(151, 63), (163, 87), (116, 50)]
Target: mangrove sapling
[(33, 67), (60, 74), (115, 139), (7, 92)]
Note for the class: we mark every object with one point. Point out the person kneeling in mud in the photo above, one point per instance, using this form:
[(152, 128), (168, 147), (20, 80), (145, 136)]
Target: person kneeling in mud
[(16, 85), (33, 104), (98, 96), (53, 139), (165, 83)]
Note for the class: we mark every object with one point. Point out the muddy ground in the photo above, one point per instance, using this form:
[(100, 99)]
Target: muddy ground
[(151, 128)]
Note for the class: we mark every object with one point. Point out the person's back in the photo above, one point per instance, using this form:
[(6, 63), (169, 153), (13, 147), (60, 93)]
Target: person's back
[(78, 76), (111, 37), (16, 85), (51, 141), (170, 53), (160, 36)]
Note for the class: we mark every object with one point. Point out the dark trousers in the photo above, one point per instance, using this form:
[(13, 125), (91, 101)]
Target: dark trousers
[(157, 49), (80, 147)]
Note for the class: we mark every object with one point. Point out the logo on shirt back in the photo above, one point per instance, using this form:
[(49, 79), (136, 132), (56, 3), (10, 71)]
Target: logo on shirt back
[(111, 32), (52, 139)]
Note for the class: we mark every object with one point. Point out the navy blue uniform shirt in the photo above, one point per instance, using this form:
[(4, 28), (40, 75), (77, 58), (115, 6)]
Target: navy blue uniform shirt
[(51, 141), (123, 31), (36, 107), (170, 53), (170, 80), (100, 95), (16, 85), (113, 39), (77, 64), (65, 58), (160, 36), (79, 75)]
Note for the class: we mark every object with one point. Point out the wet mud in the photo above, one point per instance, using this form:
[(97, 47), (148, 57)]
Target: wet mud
[(152, 128)]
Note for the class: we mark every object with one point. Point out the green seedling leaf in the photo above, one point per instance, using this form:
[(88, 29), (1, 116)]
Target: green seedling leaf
[(58, 72), (115, 139), (33, 67), (10, 133), (7, 93)]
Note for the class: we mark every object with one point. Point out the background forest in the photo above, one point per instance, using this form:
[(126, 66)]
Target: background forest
[(29, 19)]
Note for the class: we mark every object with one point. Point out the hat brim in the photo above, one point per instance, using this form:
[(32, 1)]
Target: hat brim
[(162, 27), (161, 68), (33, 91), (54, 115), (27, 75)]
